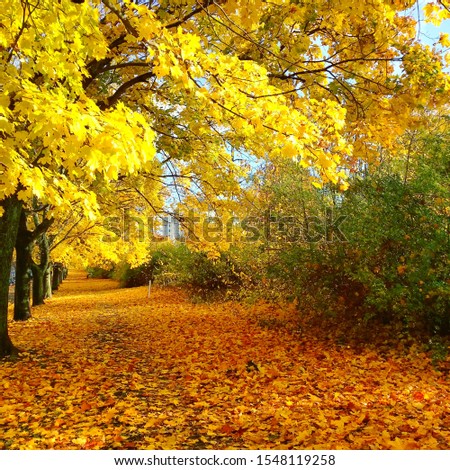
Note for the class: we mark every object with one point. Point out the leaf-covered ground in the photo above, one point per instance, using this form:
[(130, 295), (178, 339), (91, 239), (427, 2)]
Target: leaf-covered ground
[(106, 368)]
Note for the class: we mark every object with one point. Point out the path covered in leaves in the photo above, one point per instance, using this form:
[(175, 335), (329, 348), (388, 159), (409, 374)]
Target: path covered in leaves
[(105, 368)]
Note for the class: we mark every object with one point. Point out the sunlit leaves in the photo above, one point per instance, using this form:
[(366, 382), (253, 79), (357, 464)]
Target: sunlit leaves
[(436, 12), (55, 136), (315, 80)]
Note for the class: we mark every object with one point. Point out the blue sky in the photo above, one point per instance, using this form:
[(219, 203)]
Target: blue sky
[(428, 33)]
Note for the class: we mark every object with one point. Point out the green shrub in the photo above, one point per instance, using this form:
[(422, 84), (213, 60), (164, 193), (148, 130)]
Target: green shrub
[(394, 264), (96, 272), (176, 264), (142, 274)]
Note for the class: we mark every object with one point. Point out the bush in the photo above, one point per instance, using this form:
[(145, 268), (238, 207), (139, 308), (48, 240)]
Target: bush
[(394, 265), (398, 249), (176, 264), (96, 272), (142, 274), (208, 278)]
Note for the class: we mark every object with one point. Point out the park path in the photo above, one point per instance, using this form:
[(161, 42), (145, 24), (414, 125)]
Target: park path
[(104, 368)]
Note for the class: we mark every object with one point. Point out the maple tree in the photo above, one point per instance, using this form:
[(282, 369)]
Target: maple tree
[(41, 75), (179, 90)]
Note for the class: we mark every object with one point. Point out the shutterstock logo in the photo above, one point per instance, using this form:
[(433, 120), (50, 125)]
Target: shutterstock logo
[(266, 227)]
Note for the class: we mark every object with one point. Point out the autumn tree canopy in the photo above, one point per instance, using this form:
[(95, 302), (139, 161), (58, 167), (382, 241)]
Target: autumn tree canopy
[(189, 91)]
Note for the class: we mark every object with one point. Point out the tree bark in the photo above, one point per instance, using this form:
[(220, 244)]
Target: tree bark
[(48, 282), (38, 284), (24, 247), (41, 272), (9, 225), (24, 244), (22, 310), (57, 276)]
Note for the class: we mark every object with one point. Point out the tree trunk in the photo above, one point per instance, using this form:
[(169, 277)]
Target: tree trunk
[(40, 271), (38, 284), (22, 309), (48, 282), (9, 225), (57, 276)]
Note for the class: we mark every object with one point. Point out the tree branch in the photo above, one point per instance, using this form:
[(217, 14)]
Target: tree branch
[(199, 9), (113, 99)]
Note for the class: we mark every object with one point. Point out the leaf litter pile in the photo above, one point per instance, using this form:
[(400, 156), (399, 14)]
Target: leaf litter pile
[(107, 368)]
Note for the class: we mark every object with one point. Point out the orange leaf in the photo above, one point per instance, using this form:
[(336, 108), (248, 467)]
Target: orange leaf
[(85, 406), (226, 428)]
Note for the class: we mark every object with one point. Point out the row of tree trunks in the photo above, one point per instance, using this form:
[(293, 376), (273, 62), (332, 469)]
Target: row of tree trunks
[(9, 225), (14, 234), (43, 283), (47, 278)]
